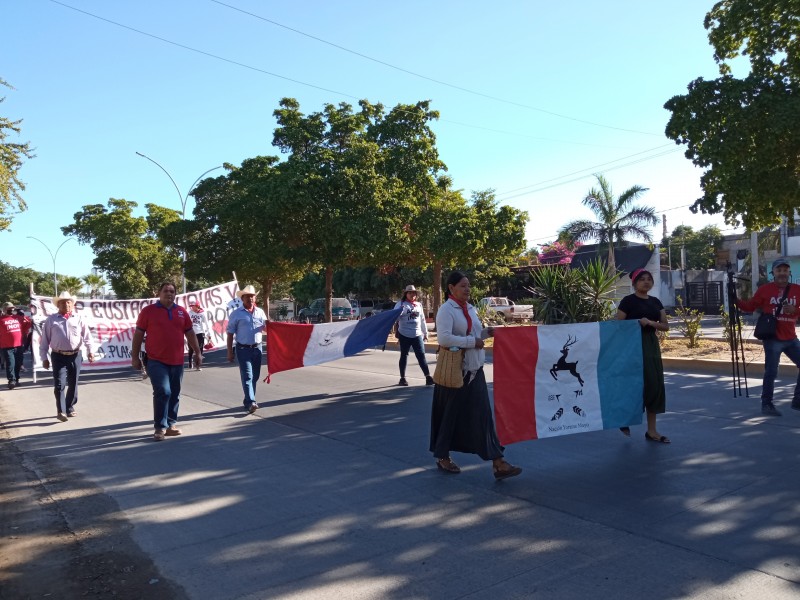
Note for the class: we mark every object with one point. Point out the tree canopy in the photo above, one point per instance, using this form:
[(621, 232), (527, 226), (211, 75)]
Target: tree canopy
[(745, 132), (701, 246), (12, 155), (128, 249)]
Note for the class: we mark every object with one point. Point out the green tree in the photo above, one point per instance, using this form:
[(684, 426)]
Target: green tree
[(617, 218), (701, 246), (745, 132), (127, 248), (243, 223), (12, 155), (15, 283), (347, 209), (95, 283)]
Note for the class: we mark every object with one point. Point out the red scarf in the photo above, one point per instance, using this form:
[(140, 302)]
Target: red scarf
[(67, 315), (464, 309)]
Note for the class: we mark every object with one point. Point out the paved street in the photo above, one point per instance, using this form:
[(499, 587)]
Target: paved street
[(329, 491)]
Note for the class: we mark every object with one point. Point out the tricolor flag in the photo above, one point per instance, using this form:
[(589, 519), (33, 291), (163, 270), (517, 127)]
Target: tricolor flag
[(559, 379), (293, 345)]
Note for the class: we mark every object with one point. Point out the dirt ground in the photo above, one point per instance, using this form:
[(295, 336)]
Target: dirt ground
[(62, 538)]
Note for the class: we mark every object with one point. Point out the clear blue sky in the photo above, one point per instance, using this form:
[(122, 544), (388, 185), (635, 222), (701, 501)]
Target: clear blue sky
[(92, 93)]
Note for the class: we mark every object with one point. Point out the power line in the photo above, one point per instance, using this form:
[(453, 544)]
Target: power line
[(431, 79), (270, 73)]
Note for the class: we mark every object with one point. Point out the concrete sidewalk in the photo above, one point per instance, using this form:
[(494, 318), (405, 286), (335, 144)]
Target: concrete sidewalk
[(329, 491)]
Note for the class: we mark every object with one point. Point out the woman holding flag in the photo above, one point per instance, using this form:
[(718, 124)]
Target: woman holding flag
[(650, 313), (461, 419)]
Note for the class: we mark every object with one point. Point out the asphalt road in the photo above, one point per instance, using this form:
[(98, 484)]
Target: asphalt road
[(329, 491)]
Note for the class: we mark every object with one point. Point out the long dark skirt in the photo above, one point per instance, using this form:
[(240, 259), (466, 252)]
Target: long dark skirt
[(655, 397), (461, 421)]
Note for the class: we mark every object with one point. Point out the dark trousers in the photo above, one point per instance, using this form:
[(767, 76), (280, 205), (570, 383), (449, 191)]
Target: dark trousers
[(9, 358), (66, 370), (417, 343), (19, 360), (201, 339)]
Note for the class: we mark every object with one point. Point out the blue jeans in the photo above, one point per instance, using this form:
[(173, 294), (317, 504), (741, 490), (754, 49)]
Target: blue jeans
[(772, 357), (166, 380), (9, 355), (418, 345), (249, 370), (66, 370)]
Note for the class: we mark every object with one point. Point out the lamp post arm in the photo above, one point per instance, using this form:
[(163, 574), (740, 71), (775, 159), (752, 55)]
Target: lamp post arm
[(177, 189)]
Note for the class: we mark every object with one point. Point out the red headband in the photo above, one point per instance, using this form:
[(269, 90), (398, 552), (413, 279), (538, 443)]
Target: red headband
[(638, 272)]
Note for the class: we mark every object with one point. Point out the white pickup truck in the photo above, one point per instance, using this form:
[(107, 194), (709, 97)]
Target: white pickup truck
[(507, 308)]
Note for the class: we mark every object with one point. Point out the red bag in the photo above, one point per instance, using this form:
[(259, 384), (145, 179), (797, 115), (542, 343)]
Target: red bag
[(208, 346)]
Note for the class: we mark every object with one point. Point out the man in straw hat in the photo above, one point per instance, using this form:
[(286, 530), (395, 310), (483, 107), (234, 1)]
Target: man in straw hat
[(65, 336), (247, 324), (166, 325)]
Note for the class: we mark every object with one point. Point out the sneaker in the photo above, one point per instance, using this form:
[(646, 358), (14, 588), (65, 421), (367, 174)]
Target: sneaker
[(72, 413), (172, 431), (428, 380), (403, 381), (61, 417), (159, 435), (252, 408), (768, 408), (198, 368)]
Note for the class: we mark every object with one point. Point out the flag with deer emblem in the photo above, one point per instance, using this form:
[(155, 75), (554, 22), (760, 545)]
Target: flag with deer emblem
[(555, 380)]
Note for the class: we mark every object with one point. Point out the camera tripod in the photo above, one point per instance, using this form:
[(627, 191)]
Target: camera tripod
[(735, 337)]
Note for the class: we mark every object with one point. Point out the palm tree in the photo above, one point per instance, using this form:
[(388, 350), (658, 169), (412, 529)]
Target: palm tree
[(95, 283), (70, 284), (617, 219)]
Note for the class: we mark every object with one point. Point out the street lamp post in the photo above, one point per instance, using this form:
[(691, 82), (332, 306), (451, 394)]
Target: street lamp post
[(183, 200), (53, 256)]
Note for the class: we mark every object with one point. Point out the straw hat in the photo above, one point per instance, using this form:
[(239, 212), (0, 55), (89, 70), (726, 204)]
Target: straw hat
[(7, 305), (410, 288), (247, 290), (63, 296)]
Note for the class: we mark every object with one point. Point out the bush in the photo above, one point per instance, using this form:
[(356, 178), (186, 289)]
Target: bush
[(562, 294), (689, 323)]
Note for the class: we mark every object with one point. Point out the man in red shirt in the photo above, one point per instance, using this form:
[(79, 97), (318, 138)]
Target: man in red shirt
[(10, 340), (166, 325), (767, 298)]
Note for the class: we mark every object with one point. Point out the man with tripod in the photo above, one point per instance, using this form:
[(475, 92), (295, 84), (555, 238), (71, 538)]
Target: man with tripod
[(768, 298)]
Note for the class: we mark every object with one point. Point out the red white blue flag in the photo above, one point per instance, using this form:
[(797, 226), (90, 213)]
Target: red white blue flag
[(294, 345), (555, 380)]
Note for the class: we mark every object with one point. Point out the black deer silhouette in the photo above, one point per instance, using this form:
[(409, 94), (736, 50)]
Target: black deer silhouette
[(563, 365)]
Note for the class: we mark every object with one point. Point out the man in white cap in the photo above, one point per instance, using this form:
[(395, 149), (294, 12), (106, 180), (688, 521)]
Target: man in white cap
[(166, 325), (65, 336), (781, 297), (247, 325)]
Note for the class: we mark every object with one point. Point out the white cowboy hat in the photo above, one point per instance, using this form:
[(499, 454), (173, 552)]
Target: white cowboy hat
[(249, 289), (409, 288), (63, 296)]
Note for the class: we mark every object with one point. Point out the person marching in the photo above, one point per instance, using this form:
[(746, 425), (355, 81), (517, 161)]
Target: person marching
[(768, 298), (166, 325), (652, 317), (11, 344), (247, 324), (200, 327), (461, 419), (66, 336), (412, 332)]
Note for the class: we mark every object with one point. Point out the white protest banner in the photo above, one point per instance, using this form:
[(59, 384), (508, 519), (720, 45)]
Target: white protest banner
[(112, 322)]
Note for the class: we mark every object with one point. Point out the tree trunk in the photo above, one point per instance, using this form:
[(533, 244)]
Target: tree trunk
[(266, 292), (328, 293), (437, 286), (612, 261)]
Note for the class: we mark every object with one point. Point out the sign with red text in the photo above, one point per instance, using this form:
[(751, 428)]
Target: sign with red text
[(113, 322)]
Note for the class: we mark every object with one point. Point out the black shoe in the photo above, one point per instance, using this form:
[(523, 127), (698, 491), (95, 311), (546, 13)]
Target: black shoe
[(768, 408), (795, 405), (403, 381), (11, 385), (428, 380)]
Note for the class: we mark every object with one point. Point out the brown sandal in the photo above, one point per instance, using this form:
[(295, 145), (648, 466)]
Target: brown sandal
[(448, 466), (506, 470)]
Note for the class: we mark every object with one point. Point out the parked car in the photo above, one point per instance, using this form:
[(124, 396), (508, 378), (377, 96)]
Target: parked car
[(365, 307), (341, 310), (507, 308)]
